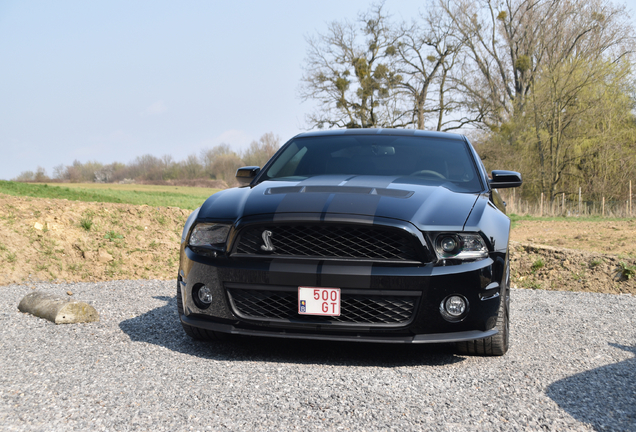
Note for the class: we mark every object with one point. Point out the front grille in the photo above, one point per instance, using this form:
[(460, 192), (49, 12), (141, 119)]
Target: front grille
[(354, 308), (331, 241)]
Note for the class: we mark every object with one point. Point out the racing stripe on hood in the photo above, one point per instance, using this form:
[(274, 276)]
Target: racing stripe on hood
[(309, 202), (352, 203), (356, 196), (324, 198)]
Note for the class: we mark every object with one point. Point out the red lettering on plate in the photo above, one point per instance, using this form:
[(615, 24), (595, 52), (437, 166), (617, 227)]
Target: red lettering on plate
[(316, 294), (325, 307)]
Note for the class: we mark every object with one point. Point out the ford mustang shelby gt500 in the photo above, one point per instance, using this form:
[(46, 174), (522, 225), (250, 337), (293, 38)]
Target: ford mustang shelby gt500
[(376, 235)]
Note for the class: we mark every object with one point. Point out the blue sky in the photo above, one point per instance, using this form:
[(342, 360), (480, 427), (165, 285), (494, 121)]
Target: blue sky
[(112, 80)]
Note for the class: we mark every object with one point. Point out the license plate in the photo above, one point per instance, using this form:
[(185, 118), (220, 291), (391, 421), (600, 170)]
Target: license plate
[(319, 301)]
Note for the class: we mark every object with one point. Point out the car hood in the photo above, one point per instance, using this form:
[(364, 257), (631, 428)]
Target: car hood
[(428, 207)]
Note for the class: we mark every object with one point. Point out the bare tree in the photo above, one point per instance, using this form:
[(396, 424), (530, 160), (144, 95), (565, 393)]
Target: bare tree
[(509, 42), (225, 167), (427, 51), (541, 72), (259, 152), (208, 155), (350, 72)]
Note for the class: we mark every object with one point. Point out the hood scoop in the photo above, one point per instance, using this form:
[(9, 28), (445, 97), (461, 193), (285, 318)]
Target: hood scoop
[(393, 193)]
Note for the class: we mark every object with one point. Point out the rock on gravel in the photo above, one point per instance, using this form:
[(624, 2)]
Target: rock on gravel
[(571, 366)]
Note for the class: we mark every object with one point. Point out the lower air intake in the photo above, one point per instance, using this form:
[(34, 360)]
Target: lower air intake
[(355, 308)]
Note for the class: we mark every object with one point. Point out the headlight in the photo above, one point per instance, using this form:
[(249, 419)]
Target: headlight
[(209, 234), (460, 246)]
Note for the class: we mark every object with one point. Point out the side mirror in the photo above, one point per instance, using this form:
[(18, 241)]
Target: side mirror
[(245, 175), (505, 179)]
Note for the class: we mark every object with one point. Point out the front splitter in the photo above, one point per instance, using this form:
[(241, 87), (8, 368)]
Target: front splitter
[(420, 338)]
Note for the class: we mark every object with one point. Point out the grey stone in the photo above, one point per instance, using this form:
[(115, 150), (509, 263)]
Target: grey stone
[(56, 309)]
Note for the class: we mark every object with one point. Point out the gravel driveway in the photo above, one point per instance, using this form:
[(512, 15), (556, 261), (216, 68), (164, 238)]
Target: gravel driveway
[(571, 366)]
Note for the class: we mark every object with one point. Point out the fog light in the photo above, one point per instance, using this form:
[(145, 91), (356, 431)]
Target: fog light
[(454, 308), (454, 305), (202, 296), (205, 295)]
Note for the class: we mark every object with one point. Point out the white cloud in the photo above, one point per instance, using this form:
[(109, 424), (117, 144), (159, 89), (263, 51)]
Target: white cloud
[(156, 108)]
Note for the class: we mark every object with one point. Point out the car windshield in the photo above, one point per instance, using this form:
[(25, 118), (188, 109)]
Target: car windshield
[(410, 159)]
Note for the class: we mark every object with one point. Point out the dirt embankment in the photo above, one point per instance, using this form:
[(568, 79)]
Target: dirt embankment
[(545, 267), (571, 255), (49, 239)]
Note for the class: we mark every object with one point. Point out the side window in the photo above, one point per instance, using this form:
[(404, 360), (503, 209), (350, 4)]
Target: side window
[(289, 169), (287, 162)]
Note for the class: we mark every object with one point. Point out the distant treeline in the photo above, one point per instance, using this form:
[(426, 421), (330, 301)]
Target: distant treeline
[(218, 163)]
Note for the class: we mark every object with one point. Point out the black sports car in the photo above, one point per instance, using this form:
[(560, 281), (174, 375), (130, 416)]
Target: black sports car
[(375, 235)]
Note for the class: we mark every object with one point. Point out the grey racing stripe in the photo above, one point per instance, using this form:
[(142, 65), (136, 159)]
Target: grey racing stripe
[(360, 204), (286, 272), (334, 274), (310, 203)]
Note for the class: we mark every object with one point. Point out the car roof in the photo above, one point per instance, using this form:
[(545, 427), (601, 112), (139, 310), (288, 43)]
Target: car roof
[(399, 132)]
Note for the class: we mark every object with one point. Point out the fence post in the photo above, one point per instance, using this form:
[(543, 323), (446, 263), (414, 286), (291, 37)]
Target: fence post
[(630, 198), (579, 202), (563, 205), (541, 205), (603, 207)]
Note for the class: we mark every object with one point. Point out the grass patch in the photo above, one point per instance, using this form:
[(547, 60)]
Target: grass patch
[(74, 268), (578, 276), (11, 257), (113, 268), (155, 196), (86, 223), (161, 219), (538, 264), (626, 271), (531, 284), (595, 263), (112, 235)]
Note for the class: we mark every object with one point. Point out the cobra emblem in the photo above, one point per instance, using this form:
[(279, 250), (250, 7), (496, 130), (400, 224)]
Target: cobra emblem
[(267, 239)]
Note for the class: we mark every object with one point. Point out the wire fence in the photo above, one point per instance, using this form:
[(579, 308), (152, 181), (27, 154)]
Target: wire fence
[(562, 206)]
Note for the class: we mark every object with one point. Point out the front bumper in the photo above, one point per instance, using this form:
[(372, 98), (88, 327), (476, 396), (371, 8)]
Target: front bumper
[(389, 338), (480, 282)]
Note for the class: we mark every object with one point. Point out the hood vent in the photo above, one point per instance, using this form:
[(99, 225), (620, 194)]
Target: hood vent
[(393, 193)]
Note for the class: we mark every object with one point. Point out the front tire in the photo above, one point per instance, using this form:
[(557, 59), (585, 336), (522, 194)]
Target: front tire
[(496, 345), (195, 332)]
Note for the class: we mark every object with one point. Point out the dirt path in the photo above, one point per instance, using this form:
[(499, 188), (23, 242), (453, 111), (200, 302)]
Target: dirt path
[(60, 240)]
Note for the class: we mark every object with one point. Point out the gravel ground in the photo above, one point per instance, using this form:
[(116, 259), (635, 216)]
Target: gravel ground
[(571, 367)]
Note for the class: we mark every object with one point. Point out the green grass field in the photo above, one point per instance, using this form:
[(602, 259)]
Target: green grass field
[(156, 196), (516, 218)]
